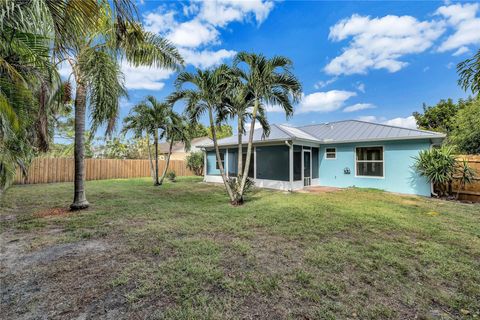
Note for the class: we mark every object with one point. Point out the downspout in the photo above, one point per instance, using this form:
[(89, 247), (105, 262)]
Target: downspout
[(290, 163), (432, 190)]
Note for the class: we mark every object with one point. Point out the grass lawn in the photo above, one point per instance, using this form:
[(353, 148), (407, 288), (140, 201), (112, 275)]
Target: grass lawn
[(180, 251)]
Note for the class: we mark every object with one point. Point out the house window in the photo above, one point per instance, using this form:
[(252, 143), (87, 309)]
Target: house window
[(369, 161), (222, 158), (331, 153)]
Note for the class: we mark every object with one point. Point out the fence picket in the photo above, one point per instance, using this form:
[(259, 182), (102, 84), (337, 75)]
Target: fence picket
[(48, 170)]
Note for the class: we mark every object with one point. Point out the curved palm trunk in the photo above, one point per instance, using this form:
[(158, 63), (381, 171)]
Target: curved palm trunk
[(168, 161), (249, 150), (157, 183), (219, 160), (80, 200), (150, 160)]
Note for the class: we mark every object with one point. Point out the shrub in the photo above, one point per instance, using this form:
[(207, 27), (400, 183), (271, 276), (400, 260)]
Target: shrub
[(195, 162), (171, 175), (440, 167), (235, 186)]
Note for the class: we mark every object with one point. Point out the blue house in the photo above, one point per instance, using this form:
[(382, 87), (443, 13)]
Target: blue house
[(337, 154)]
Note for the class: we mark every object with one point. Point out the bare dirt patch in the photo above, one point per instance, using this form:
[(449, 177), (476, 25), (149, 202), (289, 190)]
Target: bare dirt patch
[(51, 212), (60, 281)]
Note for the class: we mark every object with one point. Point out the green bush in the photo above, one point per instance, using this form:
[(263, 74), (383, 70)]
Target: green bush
[(171, 175), (440, 167), (195, 162)]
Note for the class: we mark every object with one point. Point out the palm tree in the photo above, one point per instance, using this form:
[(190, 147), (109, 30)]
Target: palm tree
[(270, 82), (469, 71), (207, 96), (138, 122), (239, 105), (175, 129), (96, 70), (149, 116)]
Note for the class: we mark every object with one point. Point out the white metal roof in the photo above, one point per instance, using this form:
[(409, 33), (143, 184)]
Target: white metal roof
[(336, 132)]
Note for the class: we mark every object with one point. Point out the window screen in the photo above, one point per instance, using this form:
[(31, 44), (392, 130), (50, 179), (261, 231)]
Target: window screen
[(232, 162), (315, 164), (222, 157), (297, 163), (369, 161), (272, 163)]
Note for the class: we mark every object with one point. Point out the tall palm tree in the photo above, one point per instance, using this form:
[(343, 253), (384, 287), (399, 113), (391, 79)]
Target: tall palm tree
[(96, 70), (207, 96), (149, 116), (270, 82), (239, 105), (139, 122)]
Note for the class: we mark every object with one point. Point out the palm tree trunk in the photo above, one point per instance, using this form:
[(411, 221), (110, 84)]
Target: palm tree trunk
[(168, 161), (157, 183), (150, 160), (240, 151), (80, 200), (249, 150), (219, 159)]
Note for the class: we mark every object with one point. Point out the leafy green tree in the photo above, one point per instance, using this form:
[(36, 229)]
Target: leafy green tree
[(195, 162), (469, 72), (439, 117), (466, 129), (223, 131), (270, 82), (198, 130)]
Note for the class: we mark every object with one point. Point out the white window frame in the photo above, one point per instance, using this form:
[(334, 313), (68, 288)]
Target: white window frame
[(327, 158), (371, 161)]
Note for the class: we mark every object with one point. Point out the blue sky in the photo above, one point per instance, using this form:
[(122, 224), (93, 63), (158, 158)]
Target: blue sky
[(376, 61)]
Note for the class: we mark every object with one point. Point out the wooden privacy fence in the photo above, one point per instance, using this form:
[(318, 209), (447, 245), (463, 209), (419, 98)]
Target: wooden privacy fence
[(471, 192), (48, 170)]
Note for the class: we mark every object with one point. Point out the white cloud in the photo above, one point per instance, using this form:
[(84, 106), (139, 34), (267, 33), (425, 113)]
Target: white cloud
[(160, 22), (462, 17), (358, 107), (206, 58), (324, 101), (368, 118), (193, 34), (360, 87), (208, 17), (323, 83), (144, 77), (222, 12), (450, 65), (407, 122), (461, 51), (379, 43)]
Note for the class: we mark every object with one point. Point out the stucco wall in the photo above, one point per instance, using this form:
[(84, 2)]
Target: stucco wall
[(398, 161)]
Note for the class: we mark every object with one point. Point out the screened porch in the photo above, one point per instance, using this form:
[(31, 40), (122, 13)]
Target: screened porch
[(284, 166)]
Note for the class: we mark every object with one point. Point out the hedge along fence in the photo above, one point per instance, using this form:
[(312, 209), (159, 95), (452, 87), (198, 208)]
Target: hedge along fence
[(471, 192), (49, 170)]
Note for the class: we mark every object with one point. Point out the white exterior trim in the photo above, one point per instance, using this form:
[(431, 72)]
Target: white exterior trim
[(372, 161)]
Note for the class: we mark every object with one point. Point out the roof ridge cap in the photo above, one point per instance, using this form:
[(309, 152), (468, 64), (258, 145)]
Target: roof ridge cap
[(284, 131)]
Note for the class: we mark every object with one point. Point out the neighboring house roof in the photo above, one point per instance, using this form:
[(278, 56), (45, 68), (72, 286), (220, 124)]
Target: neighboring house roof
[(336, 132), (180, 146)]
